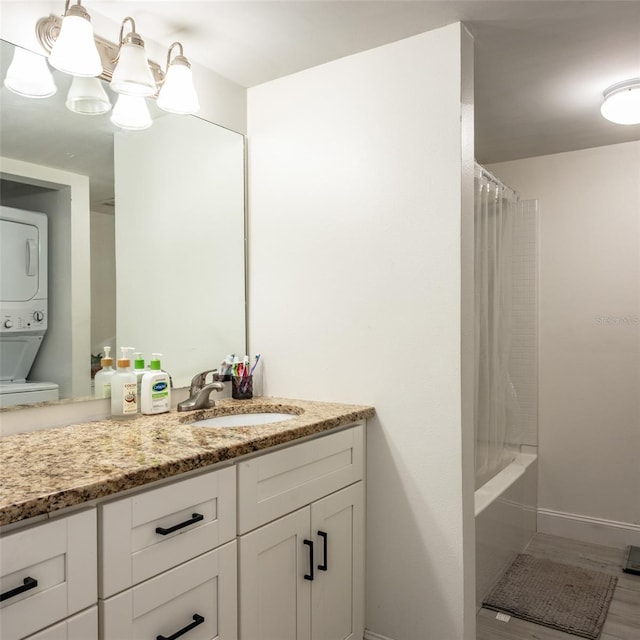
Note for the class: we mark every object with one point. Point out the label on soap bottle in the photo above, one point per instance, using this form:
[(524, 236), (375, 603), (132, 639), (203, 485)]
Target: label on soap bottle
[(130, 397)]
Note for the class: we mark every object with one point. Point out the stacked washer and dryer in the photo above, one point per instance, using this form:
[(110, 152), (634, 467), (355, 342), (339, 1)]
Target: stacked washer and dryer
[(23, 305)]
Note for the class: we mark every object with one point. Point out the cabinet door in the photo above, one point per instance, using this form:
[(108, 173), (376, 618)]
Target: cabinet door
[(275, 598), (196, 600), (337, 593)]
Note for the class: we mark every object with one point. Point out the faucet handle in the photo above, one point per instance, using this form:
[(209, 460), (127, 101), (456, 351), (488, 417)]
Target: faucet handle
[(200, 379)]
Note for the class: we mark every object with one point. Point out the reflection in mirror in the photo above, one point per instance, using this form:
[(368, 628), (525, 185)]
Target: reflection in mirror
[(161, 247)]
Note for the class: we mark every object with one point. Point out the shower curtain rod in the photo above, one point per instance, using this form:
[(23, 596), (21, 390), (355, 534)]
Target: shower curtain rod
[(495, 180)]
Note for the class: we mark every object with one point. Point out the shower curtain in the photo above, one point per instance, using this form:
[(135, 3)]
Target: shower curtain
[(495, 401)]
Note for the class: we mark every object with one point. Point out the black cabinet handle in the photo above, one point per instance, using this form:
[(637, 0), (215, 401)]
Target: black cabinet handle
[(309, 576), (324, 536), (195, 517), (29, 583), (197, 619)]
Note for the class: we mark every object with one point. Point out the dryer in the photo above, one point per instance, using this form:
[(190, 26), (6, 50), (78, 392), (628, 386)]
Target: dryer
[(23, 304)]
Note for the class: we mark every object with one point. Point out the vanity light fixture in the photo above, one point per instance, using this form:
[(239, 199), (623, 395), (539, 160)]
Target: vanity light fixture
[(177, 93), (131, 113), (87, 97), (622, 102), (132, 75), (29, 75), (74, 51)]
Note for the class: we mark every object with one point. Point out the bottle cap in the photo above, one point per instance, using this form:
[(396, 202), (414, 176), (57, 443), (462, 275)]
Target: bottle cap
[(138, 362), (107, 361), (154, 364)]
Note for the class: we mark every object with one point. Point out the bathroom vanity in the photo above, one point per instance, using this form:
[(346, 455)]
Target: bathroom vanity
[(154, 528)]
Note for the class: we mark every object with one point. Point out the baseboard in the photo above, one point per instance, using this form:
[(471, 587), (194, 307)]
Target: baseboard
[(594, 530), (370, 635)]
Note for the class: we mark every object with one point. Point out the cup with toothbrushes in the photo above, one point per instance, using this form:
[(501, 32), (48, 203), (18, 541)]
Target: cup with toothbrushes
[(242, 378)]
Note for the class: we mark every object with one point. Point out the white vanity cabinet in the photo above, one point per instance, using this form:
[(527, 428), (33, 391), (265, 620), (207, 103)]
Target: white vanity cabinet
[(168, 561), (48, 572), (302, 573)]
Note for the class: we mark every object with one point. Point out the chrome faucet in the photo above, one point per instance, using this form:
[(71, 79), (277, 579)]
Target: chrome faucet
[(200, 391)]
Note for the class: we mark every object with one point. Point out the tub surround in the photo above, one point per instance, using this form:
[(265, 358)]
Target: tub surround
[(52, 469)]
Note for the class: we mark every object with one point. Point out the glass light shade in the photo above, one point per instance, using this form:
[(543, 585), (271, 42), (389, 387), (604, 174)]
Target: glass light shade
[(132, 75), (29, 75), (622, 103), (131, 112), (87, 97), (75, 52), (178, 95)]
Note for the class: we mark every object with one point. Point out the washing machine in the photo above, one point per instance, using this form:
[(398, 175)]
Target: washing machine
[(23, 305)]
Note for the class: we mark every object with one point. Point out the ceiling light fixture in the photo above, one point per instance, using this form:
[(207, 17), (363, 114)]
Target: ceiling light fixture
[(132, 75), (74, 51), (29, 75), (622, 102), (177, 94)]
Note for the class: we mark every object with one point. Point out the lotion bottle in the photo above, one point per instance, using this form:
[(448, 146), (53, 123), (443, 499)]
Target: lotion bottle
[(102, 380), (156, 388), (139, 370), (124, 388)]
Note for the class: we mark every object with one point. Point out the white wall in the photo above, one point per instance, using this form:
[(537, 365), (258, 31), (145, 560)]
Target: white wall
[(589, 338), (103, 282), (357, 209)]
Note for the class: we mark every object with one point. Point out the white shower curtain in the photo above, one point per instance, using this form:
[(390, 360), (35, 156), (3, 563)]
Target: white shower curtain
[(495, 402)]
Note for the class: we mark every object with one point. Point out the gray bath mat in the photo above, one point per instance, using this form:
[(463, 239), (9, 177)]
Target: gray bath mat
[(555, 595)]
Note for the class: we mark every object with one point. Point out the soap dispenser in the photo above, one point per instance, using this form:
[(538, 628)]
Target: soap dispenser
[(139, 370), (102, 380), (124, 388), (156, 388)]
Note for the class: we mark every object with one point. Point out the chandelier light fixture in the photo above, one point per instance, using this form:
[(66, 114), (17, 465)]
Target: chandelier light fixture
[(622, 102), (73, 48)]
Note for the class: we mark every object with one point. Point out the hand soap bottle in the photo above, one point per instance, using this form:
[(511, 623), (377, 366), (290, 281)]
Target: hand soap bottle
[(124, 388), (102, 380), (139, 371), (156, 388)]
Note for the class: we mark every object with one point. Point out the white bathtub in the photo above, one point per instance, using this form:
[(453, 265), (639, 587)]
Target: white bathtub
[(505, 519)]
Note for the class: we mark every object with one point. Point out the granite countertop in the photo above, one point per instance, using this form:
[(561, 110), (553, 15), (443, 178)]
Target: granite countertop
[(42, 471)]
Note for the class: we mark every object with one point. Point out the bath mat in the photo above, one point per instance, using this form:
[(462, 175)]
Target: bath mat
[(555, 595)]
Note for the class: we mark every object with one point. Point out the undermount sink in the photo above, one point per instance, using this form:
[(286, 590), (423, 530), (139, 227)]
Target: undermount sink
[(244, 420)]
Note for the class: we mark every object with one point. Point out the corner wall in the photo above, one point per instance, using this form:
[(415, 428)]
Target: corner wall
[(357, 216), (589, 369)]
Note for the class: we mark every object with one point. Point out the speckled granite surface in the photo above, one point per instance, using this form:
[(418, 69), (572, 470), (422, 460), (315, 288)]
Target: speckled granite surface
[(42, 471)]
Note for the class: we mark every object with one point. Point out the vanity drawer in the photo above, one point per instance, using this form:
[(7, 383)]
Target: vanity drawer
[(83, 626), (274, 484), (150, 532), (56, 562), (200, 594)]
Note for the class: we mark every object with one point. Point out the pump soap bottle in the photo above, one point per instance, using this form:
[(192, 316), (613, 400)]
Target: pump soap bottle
[(139, 370), (156, 388), (124, 387), (102, 380)]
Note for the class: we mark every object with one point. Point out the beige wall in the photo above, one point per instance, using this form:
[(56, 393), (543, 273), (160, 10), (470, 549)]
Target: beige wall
[(589, 333), (359, 196)]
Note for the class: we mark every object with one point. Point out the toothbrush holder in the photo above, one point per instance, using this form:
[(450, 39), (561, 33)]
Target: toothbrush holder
[(242, 387)]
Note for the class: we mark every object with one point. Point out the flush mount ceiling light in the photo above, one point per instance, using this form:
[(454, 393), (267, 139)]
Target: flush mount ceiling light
[(29, 75), (74, 51), (622, 102), (132, 75), (178, 95)]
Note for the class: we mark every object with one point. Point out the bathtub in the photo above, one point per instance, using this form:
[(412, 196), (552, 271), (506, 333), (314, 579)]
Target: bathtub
[(505, 518)]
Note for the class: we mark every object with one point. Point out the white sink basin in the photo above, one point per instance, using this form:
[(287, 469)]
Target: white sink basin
[(244, 420)]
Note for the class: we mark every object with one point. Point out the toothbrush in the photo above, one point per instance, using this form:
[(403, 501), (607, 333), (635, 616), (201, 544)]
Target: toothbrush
[(255, 364)]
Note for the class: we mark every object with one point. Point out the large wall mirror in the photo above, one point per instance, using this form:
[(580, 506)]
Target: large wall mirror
[(146, 234)]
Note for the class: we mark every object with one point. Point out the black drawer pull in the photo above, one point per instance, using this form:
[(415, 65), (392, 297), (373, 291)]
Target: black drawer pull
[(197, 619), (29, 583), (195, 517), (324, 566), (309, 576)]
